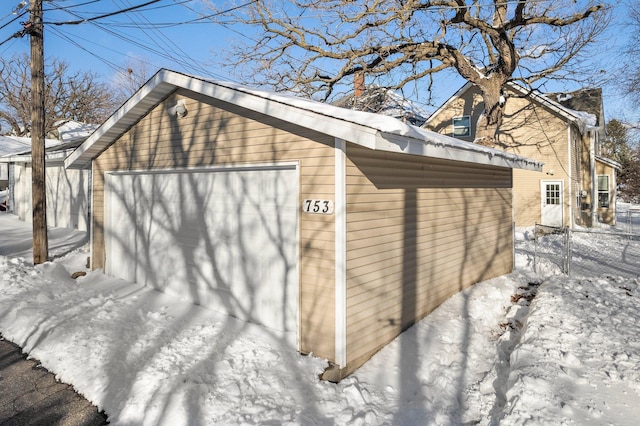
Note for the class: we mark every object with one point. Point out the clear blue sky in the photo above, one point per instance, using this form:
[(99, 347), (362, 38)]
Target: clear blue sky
[(170, 34), (158, 34)]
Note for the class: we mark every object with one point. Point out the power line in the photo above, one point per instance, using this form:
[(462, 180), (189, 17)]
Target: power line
[(14, 19), (72, 41), (173, 47), (199, 20), (19, 34), (175, 54), (106, 15), (159, 50), (73, 5)]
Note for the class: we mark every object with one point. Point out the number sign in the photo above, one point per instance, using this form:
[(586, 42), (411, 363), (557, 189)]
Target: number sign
[(318, 206)]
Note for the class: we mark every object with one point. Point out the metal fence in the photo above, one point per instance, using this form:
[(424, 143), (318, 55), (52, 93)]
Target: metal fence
[(632, 221), (614, 253)]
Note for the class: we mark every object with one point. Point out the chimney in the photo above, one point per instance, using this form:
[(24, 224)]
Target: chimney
[(358, 84)]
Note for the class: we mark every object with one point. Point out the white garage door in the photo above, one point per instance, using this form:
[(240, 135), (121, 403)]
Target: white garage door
[(221, 238)]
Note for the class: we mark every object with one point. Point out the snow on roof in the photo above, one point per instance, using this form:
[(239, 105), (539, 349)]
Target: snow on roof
[(385, 101), (373, 131), (14, 145), (587, 118), (584, 120), (73, 131)]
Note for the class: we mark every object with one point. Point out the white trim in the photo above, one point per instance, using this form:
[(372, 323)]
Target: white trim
[(614, 196), (208, 169), (609, 162), (358, 127), (478, 154), (592, 177), (340, 253), (91, 214), (298, 263), (570, 175), (453, 126), (534, 95), (446, 104), (609, 189), (106, 220)]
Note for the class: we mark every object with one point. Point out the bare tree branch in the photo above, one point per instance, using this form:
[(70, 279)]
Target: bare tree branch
[(69, 96), (313, 46), (631, 73)]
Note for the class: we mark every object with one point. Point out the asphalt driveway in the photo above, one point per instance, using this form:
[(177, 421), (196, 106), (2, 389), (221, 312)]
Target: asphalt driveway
[(30, 395)]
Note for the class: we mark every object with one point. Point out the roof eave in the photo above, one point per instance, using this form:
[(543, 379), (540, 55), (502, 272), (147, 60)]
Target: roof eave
[(408, 139), (490, 157), (165, 82), (609, 162), (145, 99)]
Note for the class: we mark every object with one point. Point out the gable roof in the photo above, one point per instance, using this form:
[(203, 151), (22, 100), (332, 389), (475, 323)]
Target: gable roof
[(609, 162), (373, 131), (587, 100), (584, 120)]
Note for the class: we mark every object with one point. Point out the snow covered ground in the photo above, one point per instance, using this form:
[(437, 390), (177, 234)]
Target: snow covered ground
[(486, 356)]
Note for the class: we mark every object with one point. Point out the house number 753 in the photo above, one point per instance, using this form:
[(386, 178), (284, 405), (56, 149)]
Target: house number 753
[(318, 206)]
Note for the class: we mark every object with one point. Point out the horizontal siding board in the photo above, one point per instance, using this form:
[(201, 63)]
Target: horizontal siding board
[(390, 238), (311, 186), (392, 227), (443, 172), (418, 231), (401, 268), (215, 133), (396, 266), (534, 131), (439, 182)]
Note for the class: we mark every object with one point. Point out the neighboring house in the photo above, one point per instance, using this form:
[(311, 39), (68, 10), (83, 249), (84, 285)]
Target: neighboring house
[(563, 131), (342, 227), (386, 102), (10, 146), (67, 191)]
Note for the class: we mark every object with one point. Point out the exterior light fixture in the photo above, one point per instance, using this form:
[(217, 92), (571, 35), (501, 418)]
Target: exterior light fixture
[(180, 109)]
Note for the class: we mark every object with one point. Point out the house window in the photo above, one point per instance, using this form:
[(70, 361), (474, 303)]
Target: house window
[(4, 172), (553, 193), (462, 126), (603, 191)]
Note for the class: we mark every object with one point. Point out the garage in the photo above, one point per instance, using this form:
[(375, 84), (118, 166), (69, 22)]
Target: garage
[(340, 227), (224, 238)]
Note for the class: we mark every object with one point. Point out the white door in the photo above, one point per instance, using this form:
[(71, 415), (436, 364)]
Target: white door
[(552, 205), (221, 238)]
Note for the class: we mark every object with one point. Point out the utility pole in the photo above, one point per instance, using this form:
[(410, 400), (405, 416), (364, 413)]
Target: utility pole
[(38, 189)]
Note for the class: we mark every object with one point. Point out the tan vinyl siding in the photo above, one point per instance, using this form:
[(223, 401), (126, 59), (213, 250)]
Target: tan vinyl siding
[(414, 239), (606, 215), (531, 130), (576, 175), (585, 180), (215, 133), (470, 103)]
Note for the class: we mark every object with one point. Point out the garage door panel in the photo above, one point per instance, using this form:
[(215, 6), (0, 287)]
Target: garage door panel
[(223, 239)]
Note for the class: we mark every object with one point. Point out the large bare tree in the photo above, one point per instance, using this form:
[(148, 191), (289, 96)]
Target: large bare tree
[(620, 146), (133, 75), (315, 46), (69, 96), (631, 70)]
